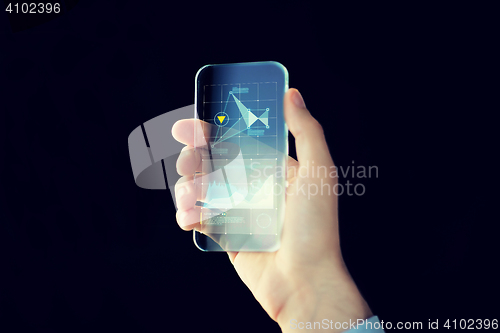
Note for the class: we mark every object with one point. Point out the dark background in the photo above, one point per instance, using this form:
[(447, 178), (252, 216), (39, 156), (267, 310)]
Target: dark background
[(406, 88)]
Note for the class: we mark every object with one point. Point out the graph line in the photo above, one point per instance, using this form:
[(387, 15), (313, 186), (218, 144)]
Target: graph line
[(218, 128), (248, 117)]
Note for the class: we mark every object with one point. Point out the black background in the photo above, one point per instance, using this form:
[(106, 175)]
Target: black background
[(406, 88)]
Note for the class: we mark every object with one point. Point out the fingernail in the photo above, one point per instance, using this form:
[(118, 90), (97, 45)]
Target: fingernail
[(298, 100), (181, 192)]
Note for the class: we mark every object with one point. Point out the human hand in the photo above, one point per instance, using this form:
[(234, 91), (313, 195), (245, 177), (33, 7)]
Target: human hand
[(306, 279)]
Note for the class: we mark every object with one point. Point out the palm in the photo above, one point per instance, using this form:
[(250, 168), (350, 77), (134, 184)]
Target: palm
[(268, 274)]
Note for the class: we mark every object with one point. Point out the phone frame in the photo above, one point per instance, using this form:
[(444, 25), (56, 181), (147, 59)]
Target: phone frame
[(252, 72)]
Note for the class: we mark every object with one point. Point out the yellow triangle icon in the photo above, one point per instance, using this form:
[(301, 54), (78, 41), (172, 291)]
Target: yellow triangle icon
[(221, 118)]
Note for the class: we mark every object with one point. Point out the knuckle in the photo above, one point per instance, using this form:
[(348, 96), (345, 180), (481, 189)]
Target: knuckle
[(181, 182), (316, 126)]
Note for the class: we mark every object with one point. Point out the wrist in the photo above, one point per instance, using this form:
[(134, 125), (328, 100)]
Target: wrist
[(322, 304)]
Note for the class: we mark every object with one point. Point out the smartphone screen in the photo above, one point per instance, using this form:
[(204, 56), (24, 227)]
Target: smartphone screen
[(243, 156)]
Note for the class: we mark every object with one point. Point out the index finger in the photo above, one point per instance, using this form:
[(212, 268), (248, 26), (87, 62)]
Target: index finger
[(191, 132)]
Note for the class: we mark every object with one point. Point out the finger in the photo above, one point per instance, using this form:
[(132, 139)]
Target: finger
[(193, 218), (192, 132), (309, 138), (191, 189), (188, 162), (186, 193), (189, 219)]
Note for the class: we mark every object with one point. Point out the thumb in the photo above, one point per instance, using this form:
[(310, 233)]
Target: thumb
[(310, 141)]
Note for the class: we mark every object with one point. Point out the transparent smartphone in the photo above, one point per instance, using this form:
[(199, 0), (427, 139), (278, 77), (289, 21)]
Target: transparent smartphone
[(244, 151)]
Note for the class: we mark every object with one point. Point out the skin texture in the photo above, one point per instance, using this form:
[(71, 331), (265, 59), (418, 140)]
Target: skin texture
[(306, 279)]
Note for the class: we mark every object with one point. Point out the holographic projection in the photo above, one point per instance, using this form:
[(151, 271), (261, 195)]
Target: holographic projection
[(239, 165), (241, 111), (253, 187), (248, 119), (239, 197)]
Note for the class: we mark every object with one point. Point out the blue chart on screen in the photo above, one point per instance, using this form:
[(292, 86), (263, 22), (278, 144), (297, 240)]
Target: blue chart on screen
[(242, 110), (244, 119)]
